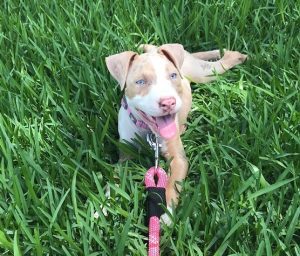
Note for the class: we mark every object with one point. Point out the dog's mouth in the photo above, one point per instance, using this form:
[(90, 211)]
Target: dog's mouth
[(164, 125)]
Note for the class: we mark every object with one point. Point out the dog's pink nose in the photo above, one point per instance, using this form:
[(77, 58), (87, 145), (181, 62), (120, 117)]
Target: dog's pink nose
[(167, 103)]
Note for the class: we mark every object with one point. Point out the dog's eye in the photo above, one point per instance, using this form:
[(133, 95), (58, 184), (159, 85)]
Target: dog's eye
[(140, 82), (173, 76)]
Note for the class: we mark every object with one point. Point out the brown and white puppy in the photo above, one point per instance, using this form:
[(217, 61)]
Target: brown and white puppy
[(158, 94)]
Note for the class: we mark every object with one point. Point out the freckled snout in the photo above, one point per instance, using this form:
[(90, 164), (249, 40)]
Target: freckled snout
[(167, 104)]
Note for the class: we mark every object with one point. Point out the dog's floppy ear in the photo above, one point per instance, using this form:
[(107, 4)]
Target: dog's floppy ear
[(118, 65), (174, 52)]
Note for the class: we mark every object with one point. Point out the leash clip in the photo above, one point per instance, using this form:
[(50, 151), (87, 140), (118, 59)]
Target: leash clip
[(153, 141)]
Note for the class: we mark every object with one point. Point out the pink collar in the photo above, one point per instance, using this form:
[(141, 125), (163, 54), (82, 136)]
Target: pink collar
[(138, 123)]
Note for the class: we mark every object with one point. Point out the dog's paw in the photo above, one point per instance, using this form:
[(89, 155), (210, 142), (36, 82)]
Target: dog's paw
[(147, 47), (142, 47), (104, 211), (103, 207), (233, 58), (166, 217)]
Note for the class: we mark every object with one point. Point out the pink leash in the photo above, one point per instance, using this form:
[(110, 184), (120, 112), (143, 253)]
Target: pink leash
[(156, 182)]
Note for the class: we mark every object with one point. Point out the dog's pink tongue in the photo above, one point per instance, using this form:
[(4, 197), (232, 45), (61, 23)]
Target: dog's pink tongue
[(166, 126)]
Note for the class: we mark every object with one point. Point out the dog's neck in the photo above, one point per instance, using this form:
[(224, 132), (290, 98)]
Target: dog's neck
[(137, 122)]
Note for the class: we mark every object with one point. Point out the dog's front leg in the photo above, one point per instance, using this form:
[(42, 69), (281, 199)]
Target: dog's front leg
[(174, 151)]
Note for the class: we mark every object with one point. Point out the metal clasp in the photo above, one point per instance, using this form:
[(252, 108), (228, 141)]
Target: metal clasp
[(153, 141)]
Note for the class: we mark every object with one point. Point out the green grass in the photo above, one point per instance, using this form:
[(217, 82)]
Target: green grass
[(59, 141)]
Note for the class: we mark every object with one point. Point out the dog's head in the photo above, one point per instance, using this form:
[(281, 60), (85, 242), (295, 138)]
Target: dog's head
[(153, 84)]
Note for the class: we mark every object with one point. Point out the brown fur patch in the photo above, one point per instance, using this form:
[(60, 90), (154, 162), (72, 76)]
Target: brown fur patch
[(141, 68), (176, 83)]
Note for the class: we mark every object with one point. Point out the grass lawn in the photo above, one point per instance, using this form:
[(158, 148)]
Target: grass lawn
[(59, 142)]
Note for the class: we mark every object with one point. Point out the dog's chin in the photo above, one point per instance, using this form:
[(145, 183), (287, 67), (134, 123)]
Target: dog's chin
[(164, 126)]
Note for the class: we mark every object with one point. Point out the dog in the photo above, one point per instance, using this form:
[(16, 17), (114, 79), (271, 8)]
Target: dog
[(158, 97)]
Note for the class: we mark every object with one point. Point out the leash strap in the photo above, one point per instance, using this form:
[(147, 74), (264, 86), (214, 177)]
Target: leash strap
[(156, 198)]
